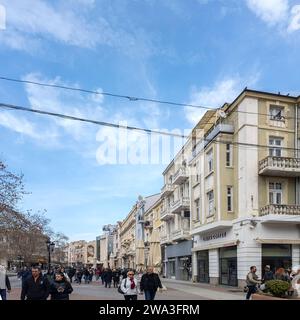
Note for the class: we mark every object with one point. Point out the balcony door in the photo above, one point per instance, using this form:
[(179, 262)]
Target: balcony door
[(275, 145), (275, 193)]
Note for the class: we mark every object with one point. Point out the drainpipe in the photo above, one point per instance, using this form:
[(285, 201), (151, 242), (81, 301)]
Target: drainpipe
[(297, 189)]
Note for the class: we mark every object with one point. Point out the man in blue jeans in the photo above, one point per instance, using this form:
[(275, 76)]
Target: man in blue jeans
[(252, 282), (4, 283), (150, 282)]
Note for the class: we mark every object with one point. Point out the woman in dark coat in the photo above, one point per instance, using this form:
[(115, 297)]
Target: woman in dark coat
[(60, 288)]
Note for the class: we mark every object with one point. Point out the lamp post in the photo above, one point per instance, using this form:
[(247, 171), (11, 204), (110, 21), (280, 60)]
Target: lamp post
[(50, 248)]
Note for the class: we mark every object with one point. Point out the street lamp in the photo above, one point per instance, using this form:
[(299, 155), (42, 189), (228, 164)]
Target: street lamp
[(50, 248)]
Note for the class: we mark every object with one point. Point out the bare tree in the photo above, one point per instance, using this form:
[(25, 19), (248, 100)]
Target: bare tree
[(22, 234)]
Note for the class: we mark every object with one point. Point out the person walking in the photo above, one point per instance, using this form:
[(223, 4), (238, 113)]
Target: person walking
[(252, 282), (71, 272), (129, 287), (78, 276), (35, 287), (116, 277), (60, 288), (24, 274), (150, 282), (4, 283), (107, 277)]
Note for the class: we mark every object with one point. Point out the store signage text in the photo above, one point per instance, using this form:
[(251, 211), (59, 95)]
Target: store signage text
[(214, 236)]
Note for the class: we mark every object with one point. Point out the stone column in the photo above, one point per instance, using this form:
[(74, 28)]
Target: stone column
[(177, 270), (194, 267), (213, 256)]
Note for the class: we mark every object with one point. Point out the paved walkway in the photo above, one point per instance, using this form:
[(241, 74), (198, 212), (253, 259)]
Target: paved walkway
[(176, 290)]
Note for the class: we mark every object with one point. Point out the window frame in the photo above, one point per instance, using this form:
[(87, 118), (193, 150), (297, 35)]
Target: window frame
[(229, 195), (210, 203)]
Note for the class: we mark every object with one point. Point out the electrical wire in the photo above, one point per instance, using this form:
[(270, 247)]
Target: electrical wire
[(128, 97), (144, 130)]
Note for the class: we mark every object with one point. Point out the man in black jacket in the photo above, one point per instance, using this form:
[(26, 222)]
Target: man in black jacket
[(35, 287), (150, 282)]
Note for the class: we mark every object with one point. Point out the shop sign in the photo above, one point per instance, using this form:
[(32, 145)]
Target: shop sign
[(214, 236)]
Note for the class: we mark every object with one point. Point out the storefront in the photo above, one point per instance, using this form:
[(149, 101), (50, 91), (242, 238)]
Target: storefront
[(179, 261), (224, 255), (228, 266)]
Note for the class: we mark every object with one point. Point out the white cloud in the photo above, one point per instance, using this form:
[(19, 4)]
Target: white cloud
[(65, 102), (222, 91), (270, 11), (32, 21), (295, 19), (277, 13), (25, 127)]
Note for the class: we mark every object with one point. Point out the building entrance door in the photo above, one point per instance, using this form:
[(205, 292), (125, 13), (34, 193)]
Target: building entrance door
[(203, 266), (228, 266)]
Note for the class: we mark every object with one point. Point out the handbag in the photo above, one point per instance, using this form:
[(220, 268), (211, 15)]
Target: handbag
[(119, 288), (246, 289)]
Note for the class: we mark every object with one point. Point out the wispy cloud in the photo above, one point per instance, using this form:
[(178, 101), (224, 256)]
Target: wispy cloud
[(224, 90), (71, 23), (277, 13)]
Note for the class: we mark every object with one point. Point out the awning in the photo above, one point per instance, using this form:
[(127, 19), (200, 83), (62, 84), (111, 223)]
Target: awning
[(278, 241), (215, 245)]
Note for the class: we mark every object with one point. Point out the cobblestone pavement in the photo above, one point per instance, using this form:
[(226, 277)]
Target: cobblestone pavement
[(176, 290)]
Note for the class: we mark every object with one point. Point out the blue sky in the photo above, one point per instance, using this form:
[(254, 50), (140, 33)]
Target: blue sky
[(195, 51)]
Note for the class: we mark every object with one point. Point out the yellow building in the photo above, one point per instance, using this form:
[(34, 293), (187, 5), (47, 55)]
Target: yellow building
[(127, 240), (245, 188)]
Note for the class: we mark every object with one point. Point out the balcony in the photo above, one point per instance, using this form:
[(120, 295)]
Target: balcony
[(182, 204), (166, 214), (166, 190), (180, 176), (180, 235), (280, 209), (279, 166), (165, 239), (214, 131)]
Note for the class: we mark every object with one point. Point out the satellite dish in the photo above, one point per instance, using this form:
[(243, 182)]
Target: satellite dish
[(222, 113)]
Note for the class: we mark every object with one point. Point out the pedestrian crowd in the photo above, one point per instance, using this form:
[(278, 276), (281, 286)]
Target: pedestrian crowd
[(56, 283)]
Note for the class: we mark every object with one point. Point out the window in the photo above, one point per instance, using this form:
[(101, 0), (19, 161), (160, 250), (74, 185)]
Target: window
[(229, 199), (275, 148), (276, 113), (228, 155), (197, 209), (275, 193), (181, 195), (210, 200), (210, 163), (186, 214)]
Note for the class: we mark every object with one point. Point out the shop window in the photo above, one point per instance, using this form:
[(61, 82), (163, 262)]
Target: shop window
[(203, 266), (276, 256), (228, 266)]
